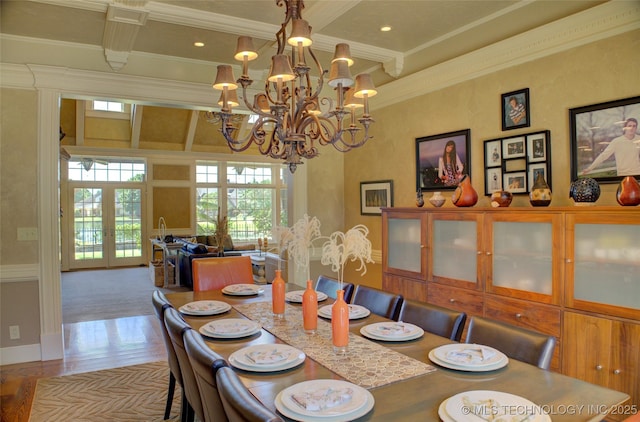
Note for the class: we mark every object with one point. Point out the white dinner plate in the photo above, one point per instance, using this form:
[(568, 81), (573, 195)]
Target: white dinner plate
[(205, 307), (360, 404), (296, 296), (486, 368), (242, 289), (392, 331), (469, 355), (442, 412), (355, 311), (478, 405), (267, 358), (230, 328)]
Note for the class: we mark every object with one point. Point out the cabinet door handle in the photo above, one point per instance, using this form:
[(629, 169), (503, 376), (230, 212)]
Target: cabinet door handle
[(598, 367), (518, 315), (452, 300), (488, 253), (423, 246), (569, 260), (617, 372), (479, 252)]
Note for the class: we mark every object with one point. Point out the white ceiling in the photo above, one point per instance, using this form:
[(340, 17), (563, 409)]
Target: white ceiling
[(424, 32)]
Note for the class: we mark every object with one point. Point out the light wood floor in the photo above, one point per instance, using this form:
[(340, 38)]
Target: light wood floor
[(89, 346)]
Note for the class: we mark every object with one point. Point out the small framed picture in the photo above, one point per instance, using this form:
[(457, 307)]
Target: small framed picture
[(492, 180), (493, 153), (537, 145), (515, 109), (375, 195), (513, 147), (535, 170), (515, 182), (442, 160)]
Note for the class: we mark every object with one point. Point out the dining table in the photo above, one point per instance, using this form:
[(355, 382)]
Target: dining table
[(405, 383)]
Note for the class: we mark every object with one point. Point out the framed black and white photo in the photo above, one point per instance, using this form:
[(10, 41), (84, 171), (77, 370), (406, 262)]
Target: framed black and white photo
[(515, 182), (513, 147), (442, 160), (537, 147), (605, 139), (375, 195), (515, 109), (521, 159)]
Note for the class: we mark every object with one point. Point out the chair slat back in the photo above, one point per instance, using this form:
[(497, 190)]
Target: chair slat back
[(216, 273)]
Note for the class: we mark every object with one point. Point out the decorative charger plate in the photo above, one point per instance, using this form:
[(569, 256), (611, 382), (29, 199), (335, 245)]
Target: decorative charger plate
[(296, 296), (392, 331), (242, 290), (324, 400), (205, 307), (230, 328), (483, 405), (355, 311), (267, 358)]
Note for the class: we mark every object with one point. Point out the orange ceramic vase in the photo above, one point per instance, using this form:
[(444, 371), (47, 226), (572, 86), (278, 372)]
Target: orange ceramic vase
[(277, 294), (628, 193), (310, 309), (340, 324), (464, 195)]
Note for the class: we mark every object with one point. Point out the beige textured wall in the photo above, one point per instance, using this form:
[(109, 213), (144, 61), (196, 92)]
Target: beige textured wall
[(603, 71), (18, 175), (19, 303)]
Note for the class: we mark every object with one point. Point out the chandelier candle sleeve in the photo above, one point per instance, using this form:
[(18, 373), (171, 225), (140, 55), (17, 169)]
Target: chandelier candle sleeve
[(310, 309), (289, 124)]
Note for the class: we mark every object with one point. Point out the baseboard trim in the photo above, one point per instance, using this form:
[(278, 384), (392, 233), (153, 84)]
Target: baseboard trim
[(20, 354)]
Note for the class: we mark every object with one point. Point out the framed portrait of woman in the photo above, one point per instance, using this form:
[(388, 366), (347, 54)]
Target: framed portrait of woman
[(442, 160)]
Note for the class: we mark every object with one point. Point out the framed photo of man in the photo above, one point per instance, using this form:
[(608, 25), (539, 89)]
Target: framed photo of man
[(605, 141), (515, 109)]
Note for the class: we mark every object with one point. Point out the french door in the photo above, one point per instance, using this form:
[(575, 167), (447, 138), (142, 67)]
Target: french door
[(106, 226)]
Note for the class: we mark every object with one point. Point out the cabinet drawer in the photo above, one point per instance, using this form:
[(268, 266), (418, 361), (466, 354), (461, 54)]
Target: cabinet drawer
[(409, 288), (542, 318), (455, 298)]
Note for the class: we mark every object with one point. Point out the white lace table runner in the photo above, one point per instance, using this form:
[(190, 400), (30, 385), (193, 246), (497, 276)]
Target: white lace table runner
[(355, 366)]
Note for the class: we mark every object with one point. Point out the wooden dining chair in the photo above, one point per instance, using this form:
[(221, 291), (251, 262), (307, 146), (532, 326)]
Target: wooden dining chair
[(379, 302), (205, 363), (176, 327), (330, 287), (160, 305), (434, 319), (515, 342), (238, 402), (216, 273)]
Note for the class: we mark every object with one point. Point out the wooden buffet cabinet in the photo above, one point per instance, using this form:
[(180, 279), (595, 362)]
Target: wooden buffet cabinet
[(570, 272)]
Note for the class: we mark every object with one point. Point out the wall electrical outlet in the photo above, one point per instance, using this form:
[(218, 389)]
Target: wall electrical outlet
[(14, 332)]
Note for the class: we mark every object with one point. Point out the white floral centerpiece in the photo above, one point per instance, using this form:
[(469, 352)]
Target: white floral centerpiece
[(303, 234), (283, 236), (350, 246)]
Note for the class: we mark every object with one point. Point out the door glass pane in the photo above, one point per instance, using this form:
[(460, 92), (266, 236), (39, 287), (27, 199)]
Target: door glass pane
[(455, 250), (87, 220), (128, 227), (607, 264), (404, 244), (522, 256)]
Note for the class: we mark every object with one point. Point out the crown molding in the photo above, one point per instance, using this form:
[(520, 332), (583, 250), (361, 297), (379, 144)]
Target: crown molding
[(600, 22)]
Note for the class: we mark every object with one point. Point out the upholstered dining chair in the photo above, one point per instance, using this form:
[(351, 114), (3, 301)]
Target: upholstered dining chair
[(330, 287), (238, 402), (176, 327), (160, 304), (379, 302), (516, 342), (205, 363), (216, 273), (434, 319)]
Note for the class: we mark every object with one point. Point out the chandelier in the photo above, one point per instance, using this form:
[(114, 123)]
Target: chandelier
[(290, 105)]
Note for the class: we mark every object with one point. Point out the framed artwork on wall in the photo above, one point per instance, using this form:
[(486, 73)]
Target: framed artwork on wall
[(605, 140), (375, 195), (522, 158), (442, 160), (515, 109)]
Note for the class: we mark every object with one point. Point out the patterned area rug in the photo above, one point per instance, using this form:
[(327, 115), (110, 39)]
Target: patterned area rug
[(132, 393)]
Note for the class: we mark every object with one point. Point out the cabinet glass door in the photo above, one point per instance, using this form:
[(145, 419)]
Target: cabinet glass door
[(404, 244), (455, 251)]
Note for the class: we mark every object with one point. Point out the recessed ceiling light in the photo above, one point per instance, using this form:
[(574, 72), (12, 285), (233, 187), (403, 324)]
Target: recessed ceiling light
[(385, 28), (198, 44)]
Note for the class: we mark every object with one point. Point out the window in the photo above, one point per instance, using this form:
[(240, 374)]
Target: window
[(108, 106), (93, 169), (108, 109), (251, 195)]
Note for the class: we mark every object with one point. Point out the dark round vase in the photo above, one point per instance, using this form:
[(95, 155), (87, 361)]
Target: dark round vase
[(540, 195), (584, 191), (628, 193)]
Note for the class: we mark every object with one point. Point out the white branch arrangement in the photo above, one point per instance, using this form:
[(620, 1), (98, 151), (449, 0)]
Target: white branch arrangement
[(283, 236), (303, 233), (352, 245)]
